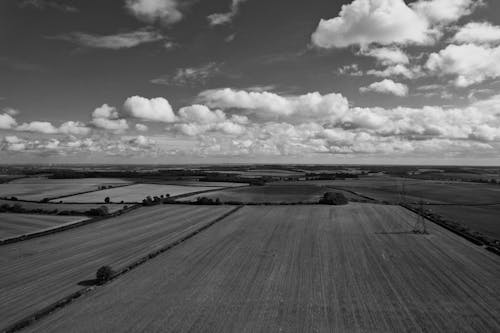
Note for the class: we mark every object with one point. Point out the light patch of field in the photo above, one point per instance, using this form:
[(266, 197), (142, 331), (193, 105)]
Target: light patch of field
[(49, 206), (40, 271), (12, 224), (135, 193), (301, 269), (267, 194), (39, 188)]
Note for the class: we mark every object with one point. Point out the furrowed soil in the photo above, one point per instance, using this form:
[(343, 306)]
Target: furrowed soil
[(352, 268), (38, 272)]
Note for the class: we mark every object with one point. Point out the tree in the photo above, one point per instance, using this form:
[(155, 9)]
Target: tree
[(333, 198), (107, 200), (103, 274)]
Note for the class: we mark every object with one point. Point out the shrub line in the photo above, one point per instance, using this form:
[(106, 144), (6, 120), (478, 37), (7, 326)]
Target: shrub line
[(72, 297)]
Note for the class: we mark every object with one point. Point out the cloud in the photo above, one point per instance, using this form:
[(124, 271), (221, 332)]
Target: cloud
[(11, 112), (387, 22), (469, 63), (112, 42), (225, 18), (387, 56), (7, 121), (198, 119), (150, 11), (445, 11), (154, 109), (74, 128), (49, 4), (44, 127), (106, 117), (397, 70), (478, 33), (268, 105), (190, 75), (364, 22), (387, 87), (141, 127), (352, 70)]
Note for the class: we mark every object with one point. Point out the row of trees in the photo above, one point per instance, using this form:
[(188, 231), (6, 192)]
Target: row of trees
[(17, 208)]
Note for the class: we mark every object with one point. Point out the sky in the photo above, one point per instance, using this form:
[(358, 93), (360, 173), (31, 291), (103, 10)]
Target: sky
[(248, 81)]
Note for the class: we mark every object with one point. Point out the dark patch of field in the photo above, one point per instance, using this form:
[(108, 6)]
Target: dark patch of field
[(484, 219), (286, 193), (351, 268), (38, 272)]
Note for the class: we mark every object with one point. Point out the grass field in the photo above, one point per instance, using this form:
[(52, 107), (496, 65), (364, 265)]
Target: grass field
[(18, 224), (301, 269), (134, 193), (267, 193), (61, 207), (40, 187), (40, 271), (485, 219)]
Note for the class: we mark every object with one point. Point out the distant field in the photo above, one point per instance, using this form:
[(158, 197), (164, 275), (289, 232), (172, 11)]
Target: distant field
[(267, 193), (301, 269), (40, 271), (389, 188), (40, 188), (485, 219), (260, 172), (135, 193), (18, 224), (62, 207), (206, 184)]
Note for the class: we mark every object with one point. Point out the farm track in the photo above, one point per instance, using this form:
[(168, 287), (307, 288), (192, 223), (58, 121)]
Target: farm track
[(351, 268), (41, 271)]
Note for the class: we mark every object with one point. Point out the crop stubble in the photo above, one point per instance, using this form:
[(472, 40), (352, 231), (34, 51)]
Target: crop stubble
[(301, 268)]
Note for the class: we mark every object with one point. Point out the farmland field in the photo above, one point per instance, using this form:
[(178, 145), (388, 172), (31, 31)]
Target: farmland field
[(485, 219), (301, 269), (40, 271), (12, 224), (134, 193), (49, 206), (40, 187), (388, 188), (267, 193)]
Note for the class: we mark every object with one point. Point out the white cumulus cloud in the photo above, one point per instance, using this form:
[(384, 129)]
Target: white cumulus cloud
[(478, 32), (387, 87), (7, 121), (387, 22), (154, 109), (150, 11), (468, 63)]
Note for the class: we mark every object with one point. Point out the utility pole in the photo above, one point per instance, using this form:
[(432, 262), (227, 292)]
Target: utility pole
[(420, 227)]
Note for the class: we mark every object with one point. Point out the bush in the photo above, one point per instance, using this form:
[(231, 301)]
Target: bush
[(105, 273), (333, 198)]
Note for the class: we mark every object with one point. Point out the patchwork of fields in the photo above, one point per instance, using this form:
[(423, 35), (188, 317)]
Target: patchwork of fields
[(39, 188), (38, 272), (12, 225), (135, 193), (293, 268)]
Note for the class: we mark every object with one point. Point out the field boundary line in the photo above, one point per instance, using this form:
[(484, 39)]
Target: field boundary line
[(64, 227), (72, 297)]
